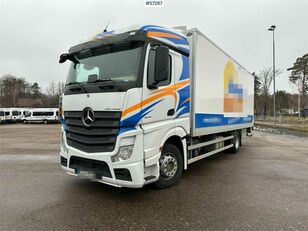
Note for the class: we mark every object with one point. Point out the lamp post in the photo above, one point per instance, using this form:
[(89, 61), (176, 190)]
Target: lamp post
[(272, 28)]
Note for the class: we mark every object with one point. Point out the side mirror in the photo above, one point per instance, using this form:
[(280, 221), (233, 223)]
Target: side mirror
[(162, 65), (63, 57), (67, 56)]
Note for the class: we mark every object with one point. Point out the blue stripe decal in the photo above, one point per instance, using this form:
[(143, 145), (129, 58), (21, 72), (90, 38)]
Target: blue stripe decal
[(148, 26), (185, 109), (210, 120), (185, 68), (183, 49), (134, 119), (126, 129), (177, 41), (62, 121), (184, 94)]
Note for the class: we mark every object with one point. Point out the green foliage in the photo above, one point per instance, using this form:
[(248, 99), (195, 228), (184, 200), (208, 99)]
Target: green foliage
[(257, 84), (299, 77), (17, 92), (299, 73)]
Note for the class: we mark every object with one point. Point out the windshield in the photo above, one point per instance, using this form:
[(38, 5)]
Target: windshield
[(115, 67)]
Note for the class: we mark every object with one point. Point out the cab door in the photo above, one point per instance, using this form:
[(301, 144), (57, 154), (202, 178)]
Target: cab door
[(158, 100)]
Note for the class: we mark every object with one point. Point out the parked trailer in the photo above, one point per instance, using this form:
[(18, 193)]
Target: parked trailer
[(141, 105), (40, 115)]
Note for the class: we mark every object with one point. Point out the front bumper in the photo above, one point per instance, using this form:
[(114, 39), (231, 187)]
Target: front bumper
[(129, 173), (135, 171)]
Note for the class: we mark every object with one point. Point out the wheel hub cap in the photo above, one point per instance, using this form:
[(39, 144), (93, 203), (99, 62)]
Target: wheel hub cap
[(168, 165)]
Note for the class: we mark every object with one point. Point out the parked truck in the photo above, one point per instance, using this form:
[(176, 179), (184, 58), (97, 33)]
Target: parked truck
[(142, 104)]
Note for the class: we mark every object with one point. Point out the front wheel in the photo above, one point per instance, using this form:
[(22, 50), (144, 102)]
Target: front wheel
[(171, 166), (45, 121)]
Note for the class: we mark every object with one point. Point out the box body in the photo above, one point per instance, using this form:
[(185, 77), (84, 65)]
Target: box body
[(222, 91)]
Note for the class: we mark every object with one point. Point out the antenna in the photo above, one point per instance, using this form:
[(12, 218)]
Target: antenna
[(105, 30)]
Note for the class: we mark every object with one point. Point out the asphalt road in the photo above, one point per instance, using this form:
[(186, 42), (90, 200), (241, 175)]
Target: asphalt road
[(263, 187)]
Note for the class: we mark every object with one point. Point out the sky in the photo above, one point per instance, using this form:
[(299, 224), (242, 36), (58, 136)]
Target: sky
[(33, 33)]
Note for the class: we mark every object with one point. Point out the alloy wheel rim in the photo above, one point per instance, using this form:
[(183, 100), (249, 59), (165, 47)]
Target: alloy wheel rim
[(168, 165)]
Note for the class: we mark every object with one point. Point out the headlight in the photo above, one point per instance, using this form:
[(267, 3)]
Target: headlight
[(125, 152)]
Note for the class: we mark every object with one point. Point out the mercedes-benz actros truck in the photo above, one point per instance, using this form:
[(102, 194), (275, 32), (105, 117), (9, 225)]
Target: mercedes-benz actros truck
[(142, 104)]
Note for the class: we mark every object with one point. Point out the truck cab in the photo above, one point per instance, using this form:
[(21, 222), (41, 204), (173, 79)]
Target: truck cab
[(126, 94)]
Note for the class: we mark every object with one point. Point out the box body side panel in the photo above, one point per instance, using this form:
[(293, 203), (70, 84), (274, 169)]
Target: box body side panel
[(222, 91)]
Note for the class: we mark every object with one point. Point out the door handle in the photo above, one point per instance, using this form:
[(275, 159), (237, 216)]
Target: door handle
[(170, 112)]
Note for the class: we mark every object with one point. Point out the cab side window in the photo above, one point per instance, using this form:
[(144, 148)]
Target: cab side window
[(151, 69)]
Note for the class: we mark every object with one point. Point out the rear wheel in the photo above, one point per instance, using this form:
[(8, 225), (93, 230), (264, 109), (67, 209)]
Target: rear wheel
[(45, 121), (25, 121), (236, 142), (171, 166)]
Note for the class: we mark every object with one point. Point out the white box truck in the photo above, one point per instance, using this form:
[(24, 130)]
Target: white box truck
[(141, 104)]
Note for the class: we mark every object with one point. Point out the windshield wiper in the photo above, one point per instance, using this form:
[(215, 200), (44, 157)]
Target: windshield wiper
[(72, 83), (101, 80), (79, 86)]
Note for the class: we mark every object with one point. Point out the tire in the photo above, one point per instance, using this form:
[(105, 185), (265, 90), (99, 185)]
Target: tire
[(25, 121), (236, 142), (172, 160), (45, 121)]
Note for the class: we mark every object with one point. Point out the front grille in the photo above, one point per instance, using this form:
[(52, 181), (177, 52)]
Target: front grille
[(100, 168), (100, 137)]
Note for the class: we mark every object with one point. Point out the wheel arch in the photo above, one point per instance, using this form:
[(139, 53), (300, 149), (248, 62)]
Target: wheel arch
[(176, 137)]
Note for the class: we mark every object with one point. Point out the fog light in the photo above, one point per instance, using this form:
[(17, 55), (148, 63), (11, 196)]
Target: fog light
[(125, 152)]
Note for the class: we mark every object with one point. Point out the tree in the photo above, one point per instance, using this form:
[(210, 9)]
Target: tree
[(52, 89), (61, 86), (282, 100), (53, 92), (299, 77), (35, 90), (12, 88), (257, 90), (266, 77)]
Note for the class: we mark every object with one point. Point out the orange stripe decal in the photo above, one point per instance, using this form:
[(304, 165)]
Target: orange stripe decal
[(173, 87), (162, 34), (186, 100), (146, 101), (170, 90)]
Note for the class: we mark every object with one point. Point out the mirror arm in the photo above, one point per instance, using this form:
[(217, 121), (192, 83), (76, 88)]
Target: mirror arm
[(67, 56), (153, 85)]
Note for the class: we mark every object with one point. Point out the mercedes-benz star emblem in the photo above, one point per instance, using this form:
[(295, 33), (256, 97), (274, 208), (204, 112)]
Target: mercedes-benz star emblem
[(88, 117)]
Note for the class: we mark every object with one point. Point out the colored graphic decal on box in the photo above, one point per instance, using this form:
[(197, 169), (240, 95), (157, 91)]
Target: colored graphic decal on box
[(233, 90)]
